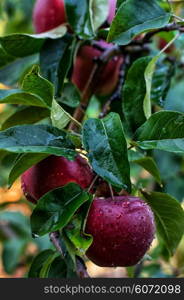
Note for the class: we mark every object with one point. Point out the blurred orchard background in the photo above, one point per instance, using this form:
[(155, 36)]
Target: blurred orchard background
[(17, 247)]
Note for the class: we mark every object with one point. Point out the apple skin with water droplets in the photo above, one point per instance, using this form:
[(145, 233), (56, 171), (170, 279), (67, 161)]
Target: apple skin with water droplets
[(54, 172), (123, 229), (48, 14)]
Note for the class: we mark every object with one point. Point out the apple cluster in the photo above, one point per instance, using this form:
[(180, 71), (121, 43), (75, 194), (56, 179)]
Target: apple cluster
[(122, 227)]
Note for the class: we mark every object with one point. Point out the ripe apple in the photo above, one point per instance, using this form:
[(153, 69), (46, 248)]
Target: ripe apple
[(83, 67), (112, 10), (54, 172), (48, 14), (122, 229)]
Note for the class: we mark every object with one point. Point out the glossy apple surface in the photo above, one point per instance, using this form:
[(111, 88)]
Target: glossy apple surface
[(48, 14), (122, 229), (54, 172)]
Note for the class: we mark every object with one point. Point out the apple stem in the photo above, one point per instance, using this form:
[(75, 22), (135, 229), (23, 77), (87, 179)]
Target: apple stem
[(92, 183), (111, 191), (55, 239)]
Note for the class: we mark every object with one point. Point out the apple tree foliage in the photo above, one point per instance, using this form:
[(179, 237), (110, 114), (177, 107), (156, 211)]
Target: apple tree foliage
[(141, 131)]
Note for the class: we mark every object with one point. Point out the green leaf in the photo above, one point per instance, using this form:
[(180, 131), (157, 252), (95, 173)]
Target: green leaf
[(135, 17), (56, 208), (38, 263), (134, 92), (74, 232), (60, 118), (25, 115), (169, 217), (164, 131), (17, 68), (34, 83), (12, 251), (75, 139), (35, 90), (23, 163), (58, 268), (5, 58), (107, 150), (20, 45), (46, 265), (150, 69), (119, 2), (18, 229), (70, 95), (17, 96), (161, 82), (149, 165), (36, 139), (56, 57), (99, 12), (79, 18), (149, 72)]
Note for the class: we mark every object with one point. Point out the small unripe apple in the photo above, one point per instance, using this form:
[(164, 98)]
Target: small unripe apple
[(83, 66), (54, 172), (123, 229), (162, 43), (112, 10), (48, 14)]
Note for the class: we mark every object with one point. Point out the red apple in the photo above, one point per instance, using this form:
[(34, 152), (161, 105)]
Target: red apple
[(122, 229), (48, 14), (54, 172), (83, 67), (112, 10)]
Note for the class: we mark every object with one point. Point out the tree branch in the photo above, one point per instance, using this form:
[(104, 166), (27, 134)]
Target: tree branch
[(55, 239), (81, 268), (170, 27), (117, 94), (92, 81)]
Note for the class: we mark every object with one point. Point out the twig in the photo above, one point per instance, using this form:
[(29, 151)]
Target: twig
[(138, 269), (170, 27), (81, 268), (178, 18), (117, 94), (89, 89), (55, 239)]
